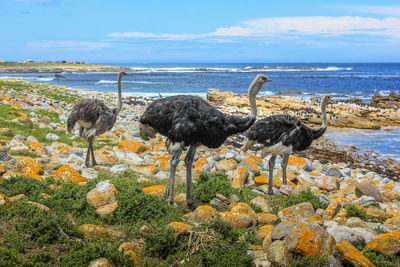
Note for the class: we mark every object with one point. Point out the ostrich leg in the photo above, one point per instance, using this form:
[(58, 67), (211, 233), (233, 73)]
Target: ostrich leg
[(94, 163), (271, 164), (88, 153), (169, 194), (284, 164), (189, 162)]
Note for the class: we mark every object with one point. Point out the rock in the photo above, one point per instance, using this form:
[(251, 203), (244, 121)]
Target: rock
[(355, 222), (148, 170), (309, 239), (327, 183), (283, 229), (251, 166), (119, 168), (266, 218), (352, 255), (355, 236), (226, 165), (391, 101), (134, 158), (136, 147), (95, 231), (264, 230), (4, 156), (179, 227), (390, 196), (4, 200), (239, 177), (244, 208), (205, 211), (388, 244), (334, 172), (368, 188), (236, 219), (332, 210), (377, 213), (52, 137), (102, 198), (6, 132), (299, 211), (220, 202), (215, 95), (277, 253), (262, 203), (286, 190), (341, 216), (157, 190), (362, 201), (66, 174), (101, 262)]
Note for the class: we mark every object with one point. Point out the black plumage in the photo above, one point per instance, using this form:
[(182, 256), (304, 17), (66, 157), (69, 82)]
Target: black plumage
[(190, 121), (193, 121), (94, 118), (283, 135)]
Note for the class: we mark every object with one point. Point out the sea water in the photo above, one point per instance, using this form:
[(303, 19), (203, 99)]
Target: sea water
[(340, 80)]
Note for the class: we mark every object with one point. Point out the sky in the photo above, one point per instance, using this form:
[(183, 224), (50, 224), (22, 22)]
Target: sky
[(130, 31)]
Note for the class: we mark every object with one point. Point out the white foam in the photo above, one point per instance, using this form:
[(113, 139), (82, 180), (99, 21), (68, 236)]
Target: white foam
[(106, 81), (45, 79), (157, 94)]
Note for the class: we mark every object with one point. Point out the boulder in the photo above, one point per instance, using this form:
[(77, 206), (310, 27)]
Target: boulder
[(102, 198), (388, 244), (355, 236), (368, 188), (299, 211), (352, 255), (327, 183), (236, 219)]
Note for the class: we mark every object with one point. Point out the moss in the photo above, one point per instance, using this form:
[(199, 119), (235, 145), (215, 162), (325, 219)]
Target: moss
[(209, 184), (353, 211), (301, 261)]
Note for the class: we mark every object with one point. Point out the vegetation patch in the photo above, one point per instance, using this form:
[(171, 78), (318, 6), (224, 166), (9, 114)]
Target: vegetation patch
[(301, 261), (209, 184)]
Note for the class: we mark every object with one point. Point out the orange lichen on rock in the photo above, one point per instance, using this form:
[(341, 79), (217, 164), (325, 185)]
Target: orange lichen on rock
[(253, 157), (315, 218), (24, 120), (38, 148), (158, 190), (293, 160), (388, 244), (67, 174), (147, 170), (236, 219), (310, 240), (264, 230), (245, 208), (137, 147), (251, 165), (205, 211), (341, 216), (239, 177), (302, 210), (164, 165), (32, 173), (332, 210), (27, 161), (179, 227), (9, 175), (352, 255), (260, 180), (266, 218)]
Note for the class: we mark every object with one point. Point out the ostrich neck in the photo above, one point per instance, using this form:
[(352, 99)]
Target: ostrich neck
[(119, 104), (253, 90)]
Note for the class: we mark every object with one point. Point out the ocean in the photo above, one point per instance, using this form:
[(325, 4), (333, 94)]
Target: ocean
[(340, 80)]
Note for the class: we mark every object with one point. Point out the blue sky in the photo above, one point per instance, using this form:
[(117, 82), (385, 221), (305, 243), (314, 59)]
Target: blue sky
[(200, 31)]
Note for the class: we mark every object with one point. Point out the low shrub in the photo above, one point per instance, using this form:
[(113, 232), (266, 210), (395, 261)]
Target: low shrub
[(209, 184)]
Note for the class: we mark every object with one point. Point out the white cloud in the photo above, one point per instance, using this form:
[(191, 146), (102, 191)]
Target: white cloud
[(292, 26), (72, 45), (382, 10)]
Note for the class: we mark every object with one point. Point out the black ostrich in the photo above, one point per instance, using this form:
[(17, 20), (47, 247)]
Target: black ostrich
[(94, 118), (282, 135), (190, 121)]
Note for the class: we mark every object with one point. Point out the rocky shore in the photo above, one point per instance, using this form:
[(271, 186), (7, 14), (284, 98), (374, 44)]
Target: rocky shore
[(338, 209)]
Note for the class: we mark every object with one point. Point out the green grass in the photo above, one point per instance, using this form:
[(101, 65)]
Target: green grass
[(301, 261), (25, 153)]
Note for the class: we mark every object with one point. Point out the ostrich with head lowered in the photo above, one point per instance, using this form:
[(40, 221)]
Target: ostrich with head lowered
[(282, 135), (94, 118), (190, 121)]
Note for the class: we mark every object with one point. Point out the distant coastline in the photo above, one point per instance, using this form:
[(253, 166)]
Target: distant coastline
[(55, 67)]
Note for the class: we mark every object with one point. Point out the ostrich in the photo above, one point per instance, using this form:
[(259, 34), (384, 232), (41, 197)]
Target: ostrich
[(94, 118), (190, 121), (283, 135)]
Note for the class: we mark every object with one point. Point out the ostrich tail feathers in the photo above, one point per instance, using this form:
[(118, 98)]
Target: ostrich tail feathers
[(248, 145), (146, 132)]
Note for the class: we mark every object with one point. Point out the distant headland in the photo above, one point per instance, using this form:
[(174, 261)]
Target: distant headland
[(56, 67)]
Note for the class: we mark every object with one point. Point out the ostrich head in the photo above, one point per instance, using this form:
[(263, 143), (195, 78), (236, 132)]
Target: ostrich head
[(257, 83), (254, 88), (121, 74)]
